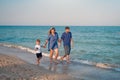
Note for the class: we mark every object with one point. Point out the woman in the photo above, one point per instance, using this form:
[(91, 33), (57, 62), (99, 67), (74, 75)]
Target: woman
[(52, 44)]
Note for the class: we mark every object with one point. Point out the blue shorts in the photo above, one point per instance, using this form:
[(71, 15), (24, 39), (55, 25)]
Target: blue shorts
[(67, 50)]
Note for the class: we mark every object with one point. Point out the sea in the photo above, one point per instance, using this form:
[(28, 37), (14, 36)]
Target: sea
[(93, 45)]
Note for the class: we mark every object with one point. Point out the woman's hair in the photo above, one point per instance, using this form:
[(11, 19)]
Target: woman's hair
[(52, 28)]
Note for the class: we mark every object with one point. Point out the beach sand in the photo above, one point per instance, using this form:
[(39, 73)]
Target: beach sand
[(16, 64), (13, 68)]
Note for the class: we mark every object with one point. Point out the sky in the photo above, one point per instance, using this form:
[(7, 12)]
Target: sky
[(60, 12)]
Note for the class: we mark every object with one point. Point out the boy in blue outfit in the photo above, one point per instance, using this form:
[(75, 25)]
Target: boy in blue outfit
[(67, 42)]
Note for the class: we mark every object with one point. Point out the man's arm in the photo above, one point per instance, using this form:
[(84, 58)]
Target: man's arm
[(72, 42), (61, 39)]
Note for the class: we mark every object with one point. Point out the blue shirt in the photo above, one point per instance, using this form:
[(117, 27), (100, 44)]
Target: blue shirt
[(66, 37), (52, 41)]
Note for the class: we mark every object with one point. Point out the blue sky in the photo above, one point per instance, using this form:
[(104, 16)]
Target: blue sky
[(60, 12)]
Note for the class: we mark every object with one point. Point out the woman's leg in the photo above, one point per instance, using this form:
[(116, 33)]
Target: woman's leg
[(56, 53), (51, 55)]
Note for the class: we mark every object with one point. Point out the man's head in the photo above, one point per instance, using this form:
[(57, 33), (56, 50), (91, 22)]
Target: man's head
[(67, 29)]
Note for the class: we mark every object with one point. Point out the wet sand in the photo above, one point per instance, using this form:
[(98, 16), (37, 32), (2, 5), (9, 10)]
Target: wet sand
[(13, 68), (25, 62)]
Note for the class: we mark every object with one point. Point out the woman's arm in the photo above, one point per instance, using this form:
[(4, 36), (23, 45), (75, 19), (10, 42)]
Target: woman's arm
[(59, 42), (45, 43)]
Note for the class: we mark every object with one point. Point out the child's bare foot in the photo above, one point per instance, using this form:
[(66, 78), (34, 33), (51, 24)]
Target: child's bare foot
[(37, 64)]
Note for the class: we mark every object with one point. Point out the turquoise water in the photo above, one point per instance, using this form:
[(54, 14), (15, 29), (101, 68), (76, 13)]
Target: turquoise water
[(96, 44)]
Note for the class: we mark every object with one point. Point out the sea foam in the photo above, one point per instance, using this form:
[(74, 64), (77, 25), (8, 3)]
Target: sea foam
[(100, 65)]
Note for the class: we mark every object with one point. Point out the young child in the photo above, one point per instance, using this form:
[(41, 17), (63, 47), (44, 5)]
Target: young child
[(67, 42), (38, 51)]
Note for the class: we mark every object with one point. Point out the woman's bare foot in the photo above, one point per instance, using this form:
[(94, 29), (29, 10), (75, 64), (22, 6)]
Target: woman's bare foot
[(56, 61), (68, 62)]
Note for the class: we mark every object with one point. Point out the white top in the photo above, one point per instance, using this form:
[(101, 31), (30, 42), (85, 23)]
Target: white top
[(38, 49)]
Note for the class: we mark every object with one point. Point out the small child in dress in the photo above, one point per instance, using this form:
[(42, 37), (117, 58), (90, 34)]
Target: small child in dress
[(38, 51)]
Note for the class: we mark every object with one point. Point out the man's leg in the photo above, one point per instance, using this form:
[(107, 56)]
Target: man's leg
[(63, 57), (65, 49), (68, 54), (68, 58)]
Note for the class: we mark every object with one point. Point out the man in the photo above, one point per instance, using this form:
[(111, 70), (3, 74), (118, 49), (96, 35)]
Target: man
[(67, 42)]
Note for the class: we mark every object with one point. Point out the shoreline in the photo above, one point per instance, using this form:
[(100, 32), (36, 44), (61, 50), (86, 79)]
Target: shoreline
[(13, 68), (100, 65), (73, 71)]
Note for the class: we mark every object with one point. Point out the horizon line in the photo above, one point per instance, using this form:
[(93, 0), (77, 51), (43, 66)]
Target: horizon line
[(59, 25)]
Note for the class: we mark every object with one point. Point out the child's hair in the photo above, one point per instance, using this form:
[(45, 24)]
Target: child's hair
[(67, 27), (38, 40)]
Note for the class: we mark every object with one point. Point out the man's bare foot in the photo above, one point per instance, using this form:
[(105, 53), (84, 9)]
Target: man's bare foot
[(61, 59)]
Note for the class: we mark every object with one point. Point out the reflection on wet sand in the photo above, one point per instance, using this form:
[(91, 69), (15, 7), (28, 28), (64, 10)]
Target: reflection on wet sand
[(53, 67), (63, 68)]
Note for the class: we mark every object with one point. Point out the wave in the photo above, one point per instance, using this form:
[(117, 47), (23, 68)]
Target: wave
[(100, 65), (21, 47), (24, 48), (102, 42)]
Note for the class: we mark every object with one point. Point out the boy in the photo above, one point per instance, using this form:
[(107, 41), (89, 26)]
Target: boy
[(67, 42), (38, 51)]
